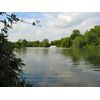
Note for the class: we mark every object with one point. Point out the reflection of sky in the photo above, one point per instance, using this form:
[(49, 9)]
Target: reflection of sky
[(54, 69)]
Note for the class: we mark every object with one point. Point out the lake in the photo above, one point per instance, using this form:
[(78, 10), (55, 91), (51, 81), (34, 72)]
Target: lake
[(61, 67)]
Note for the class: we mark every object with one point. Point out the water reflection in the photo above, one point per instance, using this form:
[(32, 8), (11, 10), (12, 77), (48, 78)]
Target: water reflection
[(74, 54), (45, 51), (21, 51), (90, 56), (61, 67)]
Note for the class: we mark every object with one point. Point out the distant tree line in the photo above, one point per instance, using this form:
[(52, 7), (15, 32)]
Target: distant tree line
[(25, 43), (91, 38)]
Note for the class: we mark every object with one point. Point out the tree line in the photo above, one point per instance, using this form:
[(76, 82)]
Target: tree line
[(25, 43), (90, 38)]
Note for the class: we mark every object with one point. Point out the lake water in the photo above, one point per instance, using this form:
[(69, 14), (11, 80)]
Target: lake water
[(61, 67)]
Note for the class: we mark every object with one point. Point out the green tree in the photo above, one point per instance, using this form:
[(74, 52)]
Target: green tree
[(24, 43), (41, 44), (57, 43), (10, 64), (18, 43), (36, 43), (91, 38), (30, 44), (66, 42), (52, 43), (75, 34), (45, 43), (79, 42), (96, 30)]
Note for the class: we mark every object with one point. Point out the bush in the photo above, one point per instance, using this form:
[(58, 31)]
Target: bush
[(10, 65)]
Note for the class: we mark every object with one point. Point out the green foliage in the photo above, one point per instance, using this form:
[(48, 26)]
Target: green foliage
[(75, 34), (41, 44), (25, 43), (56, 43), (79, 42), (36, 44), (52, 43), (21, 43), (10, 64), (66, 42), (91, 37), (45, 43), (96, 30)]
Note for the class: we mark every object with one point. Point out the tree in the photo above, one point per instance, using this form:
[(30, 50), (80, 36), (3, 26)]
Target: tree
[(18, 43), (79, 42), (91, 38), (41, 44), (21, 43), (10, 64), (96, 30), (52, 43), (57, 43), (24, 43), (66, 42), (75, 34), (45, 43), (35, 43)]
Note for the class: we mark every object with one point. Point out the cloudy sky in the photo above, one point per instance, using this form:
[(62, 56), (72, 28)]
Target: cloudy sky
[(53, 25)]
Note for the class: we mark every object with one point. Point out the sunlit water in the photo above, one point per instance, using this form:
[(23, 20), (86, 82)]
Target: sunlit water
[(60, 66)]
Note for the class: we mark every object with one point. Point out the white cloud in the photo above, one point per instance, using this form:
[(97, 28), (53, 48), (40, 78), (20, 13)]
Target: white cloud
[(54, 26), (64, 18)]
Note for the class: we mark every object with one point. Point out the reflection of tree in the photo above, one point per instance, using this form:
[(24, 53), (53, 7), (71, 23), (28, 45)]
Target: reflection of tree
[(89, 55), (21, 51), (93, 56), (45, 51), (66, 52), (73, 53)]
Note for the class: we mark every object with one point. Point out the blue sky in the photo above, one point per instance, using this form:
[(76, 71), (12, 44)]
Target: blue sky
[(29, 14), (55, 25)]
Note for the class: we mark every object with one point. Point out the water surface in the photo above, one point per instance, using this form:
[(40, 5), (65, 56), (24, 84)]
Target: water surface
[(60, 66)]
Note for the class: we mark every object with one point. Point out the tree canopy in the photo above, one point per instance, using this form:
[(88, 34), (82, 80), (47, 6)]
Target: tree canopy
[(10, 64)]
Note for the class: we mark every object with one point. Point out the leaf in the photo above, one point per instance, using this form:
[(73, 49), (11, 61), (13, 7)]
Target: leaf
[(33, 23), (2, 21), (10, 20), (9, 26), (5, 23), (1, 13)]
